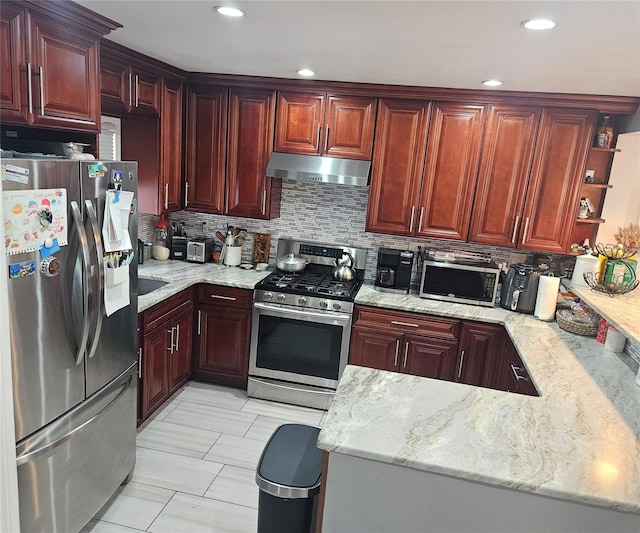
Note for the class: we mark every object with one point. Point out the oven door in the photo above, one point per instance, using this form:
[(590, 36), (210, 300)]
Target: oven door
[(304, 346)]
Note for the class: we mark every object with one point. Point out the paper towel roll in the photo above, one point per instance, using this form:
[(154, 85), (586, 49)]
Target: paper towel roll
[(547, 298)]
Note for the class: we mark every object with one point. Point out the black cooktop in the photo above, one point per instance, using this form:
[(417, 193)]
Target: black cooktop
[(314, 280)]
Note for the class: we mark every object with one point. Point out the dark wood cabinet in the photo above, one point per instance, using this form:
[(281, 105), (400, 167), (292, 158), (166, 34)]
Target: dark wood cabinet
[(320, 124), (410, 343), (250, 193), (50, 76), (507, 151), (229, 135), (480, 346), (510, 372), (451, 165), (557, 172), (223, 330), (167, 344), (396, 170), (206, 135), (146, 95)]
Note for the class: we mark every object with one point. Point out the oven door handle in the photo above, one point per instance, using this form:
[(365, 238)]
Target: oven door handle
[(300, 313)]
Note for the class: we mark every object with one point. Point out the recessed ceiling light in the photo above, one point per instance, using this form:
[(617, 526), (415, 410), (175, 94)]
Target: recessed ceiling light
[(228, 11), (492, 83), (538, 24), (306, 72)]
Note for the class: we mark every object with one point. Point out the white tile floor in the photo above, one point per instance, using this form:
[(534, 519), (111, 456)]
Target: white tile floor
[(196, 463)]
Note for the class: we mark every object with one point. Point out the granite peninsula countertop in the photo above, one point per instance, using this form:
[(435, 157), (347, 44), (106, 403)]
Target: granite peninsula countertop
[(181, 275), (579, 441)]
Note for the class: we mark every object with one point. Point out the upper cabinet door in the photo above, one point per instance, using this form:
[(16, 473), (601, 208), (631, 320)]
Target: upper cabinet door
[(13, 98), (398, 159), (349, 127), (453, 150), (299, 123), (507, 152), (206, 143), (251, 118), (171, 144), (557, 173), (65, 76)]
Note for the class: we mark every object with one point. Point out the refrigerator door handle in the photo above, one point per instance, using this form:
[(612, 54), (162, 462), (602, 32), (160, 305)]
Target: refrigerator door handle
[(84, 246), (93, 219), (27, 456)]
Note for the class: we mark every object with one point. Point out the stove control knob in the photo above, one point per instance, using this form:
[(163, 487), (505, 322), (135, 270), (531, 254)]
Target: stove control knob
[(268, 296), (281, 297), (302, 300), (324, 304), (337, 305)]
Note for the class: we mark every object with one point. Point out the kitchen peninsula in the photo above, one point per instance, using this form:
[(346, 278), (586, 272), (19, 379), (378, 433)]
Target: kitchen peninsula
[(407, 453)]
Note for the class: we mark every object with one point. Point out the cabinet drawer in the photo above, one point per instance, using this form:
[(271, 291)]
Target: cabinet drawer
[(159, 313), (229, 296), (419, 324)]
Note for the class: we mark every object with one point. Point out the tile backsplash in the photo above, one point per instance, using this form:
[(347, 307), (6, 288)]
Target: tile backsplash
[(323, 213)]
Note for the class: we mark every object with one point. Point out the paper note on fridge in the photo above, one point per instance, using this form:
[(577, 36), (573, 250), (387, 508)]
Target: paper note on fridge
[(115, 226), (116, 288)]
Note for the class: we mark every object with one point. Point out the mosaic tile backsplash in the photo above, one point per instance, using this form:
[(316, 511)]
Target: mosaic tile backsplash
[(323, 213)]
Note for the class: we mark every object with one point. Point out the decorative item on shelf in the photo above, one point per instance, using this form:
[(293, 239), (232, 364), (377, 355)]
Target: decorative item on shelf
[(590, 176), (604, 135), (586, 207)]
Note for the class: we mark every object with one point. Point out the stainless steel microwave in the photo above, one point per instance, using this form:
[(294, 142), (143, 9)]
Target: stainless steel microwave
[(474, 284)]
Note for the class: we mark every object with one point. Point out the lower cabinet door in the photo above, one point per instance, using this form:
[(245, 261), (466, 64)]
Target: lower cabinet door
[(180, 359), (223, 345), (480, 346), (154, 368), (427, 357), (375, 348)]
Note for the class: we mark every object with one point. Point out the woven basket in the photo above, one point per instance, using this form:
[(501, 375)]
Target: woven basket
[(575, 327)]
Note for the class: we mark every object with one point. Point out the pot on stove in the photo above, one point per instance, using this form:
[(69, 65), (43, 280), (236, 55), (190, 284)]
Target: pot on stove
[(343, 270), (291, 262)]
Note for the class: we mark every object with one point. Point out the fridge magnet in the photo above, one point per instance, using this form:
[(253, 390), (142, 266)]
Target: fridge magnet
[(260, 251), (17, 174), (32, 217), (22, 270), (96, 170)]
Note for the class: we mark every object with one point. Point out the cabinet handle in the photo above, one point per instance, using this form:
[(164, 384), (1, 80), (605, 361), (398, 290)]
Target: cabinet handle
[(264, 202), (406, 350), (137, 89), (29, 88), (526, 228), (396, 323), (420, 222), (515, 369), (199, 320), (515, 230), (177, 337), (166, 196), (461, 363), (130, 90), (186, 193), (326, 139), (42, 91), (170, 349), (413, 212), (220, 297), (395, 359), (318, 140), (139, 363)]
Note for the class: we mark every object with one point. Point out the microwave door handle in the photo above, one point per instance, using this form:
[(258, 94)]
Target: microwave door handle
[(84, 247), (93, 220)]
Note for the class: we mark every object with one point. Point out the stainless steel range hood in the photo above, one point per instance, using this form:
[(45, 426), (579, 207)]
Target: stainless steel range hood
[(319, 169)]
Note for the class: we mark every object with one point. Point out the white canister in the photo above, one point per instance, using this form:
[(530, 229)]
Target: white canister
[(232, 255), (615, 340), (585, 263)]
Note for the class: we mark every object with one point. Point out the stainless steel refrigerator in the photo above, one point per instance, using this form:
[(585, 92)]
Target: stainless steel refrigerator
[(74, 367)]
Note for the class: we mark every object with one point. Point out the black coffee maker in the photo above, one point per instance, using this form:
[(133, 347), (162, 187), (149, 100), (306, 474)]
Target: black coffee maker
[(393, 273)]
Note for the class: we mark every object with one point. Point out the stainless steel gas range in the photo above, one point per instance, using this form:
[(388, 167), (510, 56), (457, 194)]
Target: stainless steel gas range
[(301, 326)]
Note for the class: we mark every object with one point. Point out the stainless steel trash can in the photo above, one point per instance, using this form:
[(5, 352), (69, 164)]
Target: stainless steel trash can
[(288, 475)]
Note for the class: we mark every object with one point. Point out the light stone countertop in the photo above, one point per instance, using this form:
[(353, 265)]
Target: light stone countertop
[(579, 441), (181, 275)]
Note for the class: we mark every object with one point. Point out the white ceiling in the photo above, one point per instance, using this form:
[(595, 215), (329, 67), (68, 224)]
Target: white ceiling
[(594, 49)]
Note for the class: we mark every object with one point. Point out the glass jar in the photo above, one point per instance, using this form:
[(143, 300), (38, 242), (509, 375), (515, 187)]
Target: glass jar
[(160, 247)]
